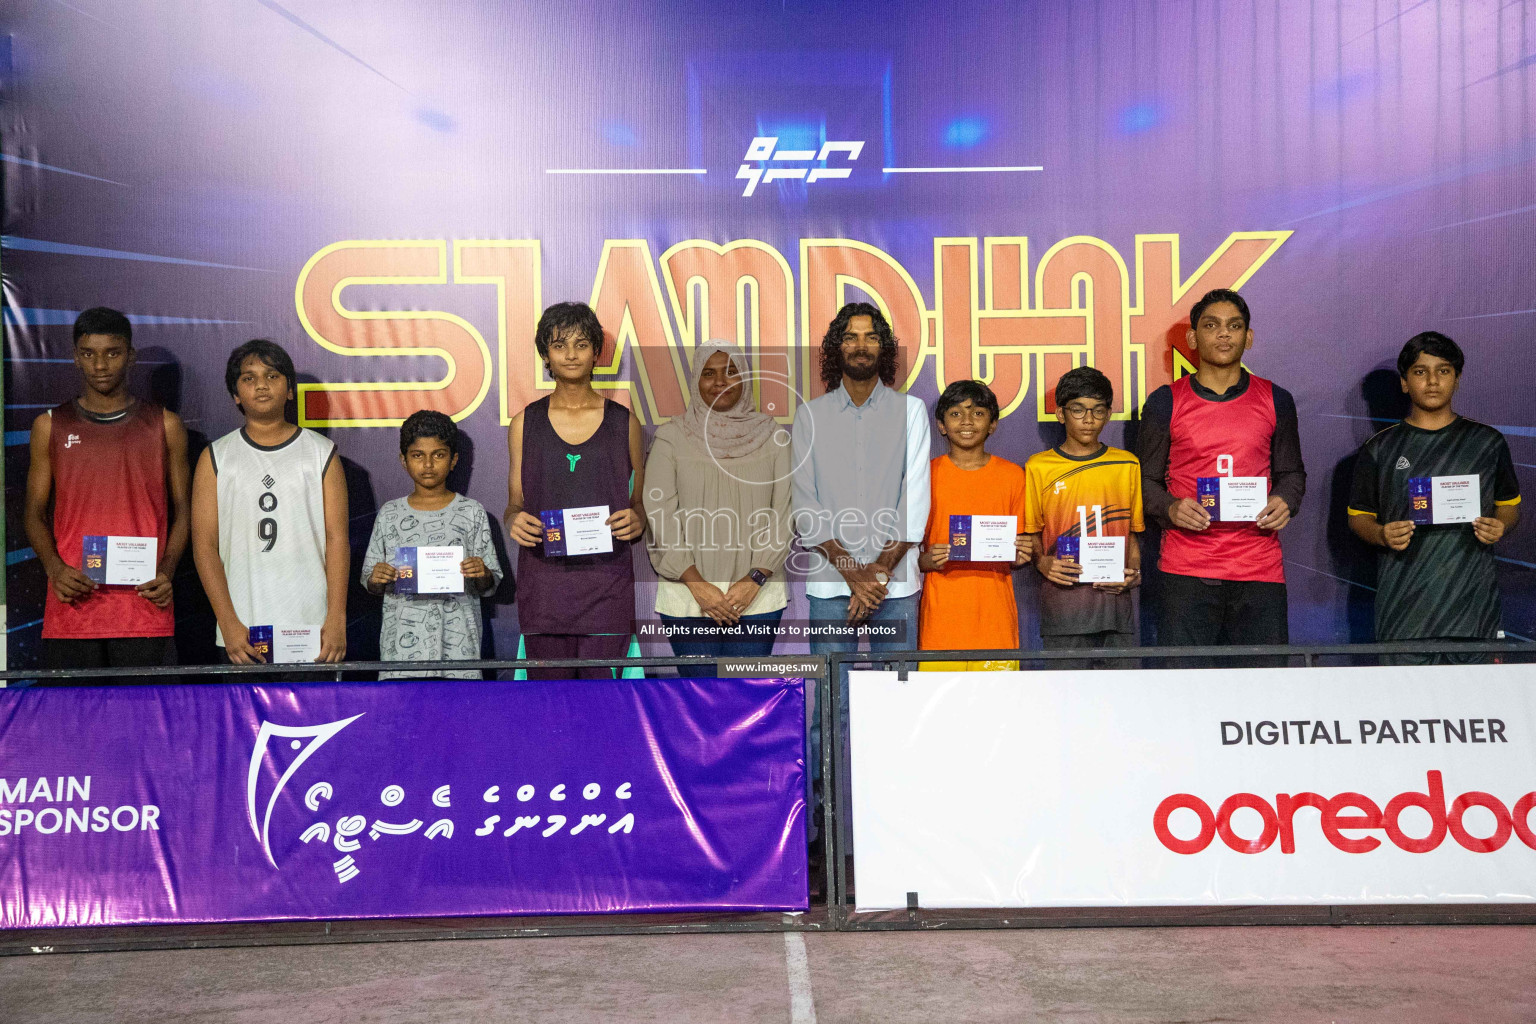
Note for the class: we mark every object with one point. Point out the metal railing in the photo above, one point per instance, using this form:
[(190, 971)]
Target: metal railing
[(335, 672)]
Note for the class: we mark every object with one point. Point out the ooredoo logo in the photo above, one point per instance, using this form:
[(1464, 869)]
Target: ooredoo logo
[(1349, 812)]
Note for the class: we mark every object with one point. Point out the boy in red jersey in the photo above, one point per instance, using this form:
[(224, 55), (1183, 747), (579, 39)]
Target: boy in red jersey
[(1223, 580), (109, 461)]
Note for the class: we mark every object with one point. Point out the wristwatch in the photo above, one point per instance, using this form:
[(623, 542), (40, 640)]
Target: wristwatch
[(882, 577), (759, 577)]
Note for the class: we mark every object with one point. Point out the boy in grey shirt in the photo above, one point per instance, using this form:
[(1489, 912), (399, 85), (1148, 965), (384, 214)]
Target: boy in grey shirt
[(436, 626)]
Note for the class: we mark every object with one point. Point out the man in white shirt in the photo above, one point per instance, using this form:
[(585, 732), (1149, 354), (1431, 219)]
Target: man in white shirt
[(861, 488), (861, 493)]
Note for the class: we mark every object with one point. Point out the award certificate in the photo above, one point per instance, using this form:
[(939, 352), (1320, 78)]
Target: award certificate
[(119, 561), (982, 538), (286, 645), (1102, 559), (577, 531), (1233, 499), (1445, 499), (429, 570)]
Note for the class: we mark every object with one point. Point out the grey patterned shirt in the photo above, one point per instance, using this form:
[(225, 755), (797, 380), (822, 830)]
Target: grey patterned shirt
[(431, 627)]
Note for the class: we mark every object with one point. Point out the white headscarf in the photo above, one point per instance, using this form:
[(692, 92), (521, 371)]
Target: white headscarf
[(724, 433)]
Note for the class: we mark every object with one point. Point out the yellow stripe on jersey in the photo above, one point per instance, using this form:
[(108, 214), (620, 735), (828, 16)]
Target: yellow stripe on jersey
[(1058, 486)]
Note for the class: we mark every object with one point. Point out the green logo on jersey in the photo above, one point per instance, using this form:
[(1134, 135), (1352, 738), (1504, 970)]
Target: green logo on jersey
[(574, 459)]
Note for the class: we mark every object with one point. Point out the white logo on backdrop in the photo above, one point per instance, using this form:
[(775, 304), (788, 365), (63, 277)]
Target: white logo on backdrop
[(317, 736), (763, 149), (346, 834), (807, 165)]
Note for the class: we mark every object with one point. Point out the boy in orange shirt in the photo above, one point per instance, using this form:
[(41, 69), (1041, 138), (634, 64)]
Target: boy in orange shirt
[(1083, 479), (969, 605)]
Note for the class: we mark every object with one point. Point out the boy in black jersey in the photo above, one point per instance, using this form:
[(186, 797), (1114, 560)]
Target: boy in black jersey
[(1436, 582)]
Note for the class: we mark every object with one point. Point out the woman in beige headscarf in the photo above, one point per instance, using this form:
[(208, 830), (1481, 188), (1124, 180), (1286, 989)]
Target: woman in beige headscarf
[(718, 500)]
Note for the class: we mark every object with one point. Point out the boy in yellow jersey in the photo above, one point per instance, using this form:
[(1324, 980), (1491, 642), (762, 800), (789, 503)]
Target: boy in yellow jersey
[(968, 601), (1083, 479)]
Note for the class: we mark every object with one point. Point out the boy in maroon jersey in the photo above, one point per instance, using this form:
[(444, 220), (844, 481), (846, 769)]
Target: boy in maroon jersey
[(114, 466), (1222, 579)]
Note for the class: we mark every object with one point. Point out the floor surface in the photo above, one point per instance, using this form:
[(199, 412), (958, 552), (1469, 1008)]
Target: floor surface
[(1363, 975)]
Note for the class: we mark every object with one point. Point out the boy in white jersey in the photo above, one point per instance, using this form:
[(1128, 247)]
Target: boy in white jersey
[(269, 516)]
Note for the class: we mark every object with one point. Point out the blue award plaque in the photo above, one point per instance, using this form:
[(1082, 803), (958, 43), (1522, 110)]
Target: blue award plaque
[(554, 532), (405, 570), (959, 538), (1208, 493), (93, 557), (260, 639), (1068, 546), (1420, 508)]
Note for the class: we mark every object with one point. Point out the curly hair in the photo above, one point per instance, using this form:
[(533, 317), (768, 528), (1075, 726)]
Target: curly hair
[(832, 345), (428, 423)]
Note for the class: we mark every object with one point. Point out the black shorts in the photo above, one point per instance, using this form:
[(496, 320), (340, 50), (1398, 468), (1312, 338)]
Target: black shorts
[(1411, 658), (109, 653), (1109, 639), (1197, 612)]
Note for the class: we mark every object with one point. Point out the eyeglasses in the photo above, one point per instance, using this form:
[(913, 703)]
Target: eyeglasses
[(1085, 412)]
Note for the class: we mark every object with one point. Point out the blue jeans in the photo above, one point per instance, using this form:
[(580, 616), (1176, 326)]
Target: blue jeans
[(891, 610), (724, 647), (835, 609)]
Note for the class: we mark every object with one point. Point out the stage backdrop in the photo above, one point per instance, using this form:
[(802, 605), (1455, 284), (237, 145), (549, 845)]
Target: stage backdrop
[(393, 190)]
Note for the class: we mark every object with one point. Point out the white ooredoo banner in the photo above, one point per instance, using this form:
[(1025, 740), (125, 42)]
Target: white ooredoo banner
[(1223, 786)]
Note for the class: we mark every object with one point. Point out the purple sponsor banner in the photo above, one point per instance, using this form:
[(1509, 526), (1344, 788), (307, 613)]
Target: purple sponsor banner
[(220, 803)]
